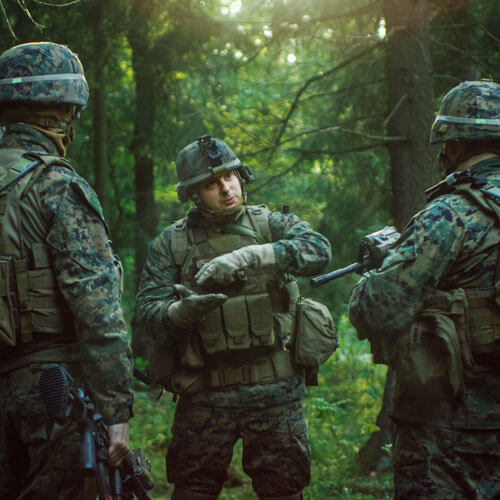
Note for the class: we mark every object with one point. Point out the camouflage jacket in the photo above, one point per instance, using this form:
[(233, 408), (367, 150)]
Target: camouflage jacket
[(88, 277), (298, 250), (450, 244)]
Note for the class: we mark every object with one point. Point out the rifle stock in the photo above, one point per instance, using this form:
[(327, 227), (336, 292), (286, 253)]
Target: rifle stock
[(64, 401)]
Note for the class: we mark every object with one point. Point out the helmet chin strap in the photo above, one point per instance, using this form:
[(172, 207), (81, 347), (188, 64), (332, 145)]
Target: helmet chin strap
[(452, 155), (446, 164)]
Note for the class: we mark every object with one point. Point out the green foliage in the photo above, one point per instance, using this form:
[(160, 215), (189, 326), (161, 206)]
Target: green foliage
[(297, 88), (340, 413)]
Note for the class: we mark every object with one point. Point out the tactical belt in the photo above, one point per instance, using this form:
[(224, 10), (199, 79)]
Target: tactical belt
[(68, 354), (261, 371)]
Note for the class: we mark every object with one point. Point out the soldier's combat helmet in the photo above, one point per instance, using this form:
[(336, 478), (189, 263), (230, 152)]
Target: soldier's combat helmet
[(44, 73), (203, 159), (469, 111)]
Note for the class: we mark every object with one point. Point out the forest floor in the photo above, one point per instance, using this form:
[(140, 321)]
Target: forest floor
[(340, 413)]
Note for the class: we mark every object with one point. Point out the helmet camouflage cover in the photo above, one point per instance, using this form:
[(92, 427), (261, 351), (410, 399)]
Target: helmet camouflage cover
[(42, 72), (469, 111), (203, 159)]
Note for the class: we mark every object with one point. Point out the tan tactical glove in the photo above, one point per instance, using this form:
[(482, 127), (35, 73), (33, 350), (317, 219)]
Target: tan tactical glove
[(225, 268), (119, 444), (191, 307)]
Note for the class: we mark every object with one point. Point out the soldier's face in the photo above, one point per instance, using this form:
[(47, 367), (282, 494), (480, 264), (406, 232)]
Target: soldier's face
[(221, 192)]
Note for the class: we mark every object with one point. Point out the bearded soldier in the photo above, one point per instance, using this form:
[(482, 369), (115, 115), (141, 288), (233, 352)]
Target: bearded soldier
[(216, 296), (59, 281), (432, 312)]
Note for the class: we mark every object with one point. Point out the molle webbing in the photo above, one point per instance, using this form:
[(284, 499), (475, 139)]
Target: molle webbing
[(483, 317), (263, 370), (27, 281), (244, 327), (37, 306), (257, 216)]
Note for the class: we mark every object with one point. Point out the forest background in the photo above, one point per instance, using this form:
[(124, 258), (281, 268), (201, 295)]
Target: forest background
[(329, 102)]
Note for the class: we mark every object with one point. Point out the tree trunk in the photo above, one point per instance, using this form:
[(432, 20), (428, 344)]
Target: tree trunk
[(413, 166), (410, 105), (100, 129), (146, 219), (144, 119)]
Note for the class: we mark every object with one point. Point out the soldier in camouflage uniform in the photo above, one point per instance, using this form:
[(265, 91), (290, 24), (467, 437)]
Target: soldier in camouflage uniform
[(216, 297), (432, 312), (59, 281)]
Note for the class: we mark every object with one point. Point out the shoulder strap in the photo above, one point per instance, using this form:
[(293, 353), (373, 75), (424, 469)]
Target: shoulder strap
[(259, 218), (15, 168), (27, 162), (478, 190), (261, 232), (179, 241), (484, 198)]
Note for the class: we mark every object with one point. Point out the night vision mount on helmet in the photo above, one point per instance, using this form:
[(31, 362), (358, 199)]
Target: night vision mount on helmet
[(43, 73), (469, 111), (203, 159)]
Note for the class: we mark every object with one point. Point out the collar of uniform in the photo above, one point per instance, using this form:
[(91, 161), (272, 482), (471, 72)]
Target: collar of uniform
[(490, 166), (218, 218), (22, 136)]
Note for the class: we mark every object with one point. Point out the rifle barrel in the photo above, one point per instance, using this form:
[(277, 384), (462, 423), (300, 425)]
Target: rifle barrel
[(325, 278)]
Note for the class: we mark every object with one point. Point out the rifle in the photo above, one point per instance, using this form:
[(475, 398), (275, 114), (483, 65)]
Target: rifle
[(372, 251), (64, 401)]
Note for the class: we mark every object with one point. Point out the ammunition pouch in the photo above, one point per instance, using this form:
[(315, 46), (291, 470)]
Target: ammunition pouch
[(316, 336), (177, 367), (251, 338), (483, 320), (431, 359), (242, 322), (30, 300), (7, 325)]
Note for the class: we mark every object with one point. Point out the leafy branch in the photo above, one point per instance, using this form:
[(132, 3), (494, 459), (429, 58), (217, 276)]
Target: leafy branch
[(296, 101), (27, 12)]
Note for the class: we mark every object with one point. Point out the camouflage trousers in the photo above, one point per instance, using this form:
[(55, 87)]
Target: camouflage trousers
[(435, 463), (31, 467), (276, 452)]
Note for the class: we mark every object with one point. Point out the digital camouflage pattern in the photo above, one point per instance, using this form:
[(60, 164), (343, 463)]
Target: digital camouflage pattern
[(276, 450), (42, 72), (435, 463), (68, 218), (268, 417), (451, 244), (26, 426), (471, 111), (87, 275), (298, 250)]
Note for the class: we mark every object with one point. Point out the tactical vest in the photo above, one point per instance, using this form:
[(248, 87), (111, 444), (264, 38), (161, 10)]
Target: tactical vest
[(257, 319), (31, 304), (483, 304)]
